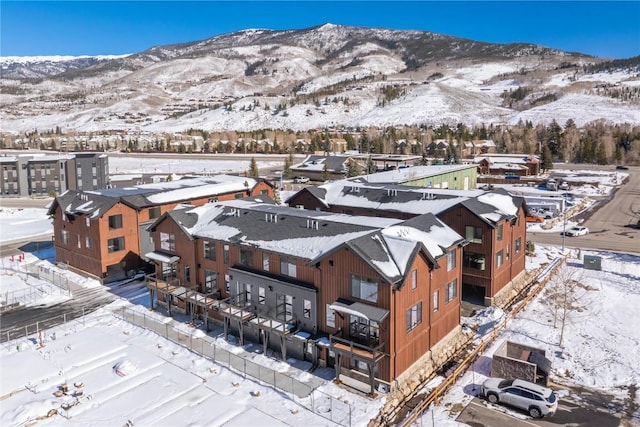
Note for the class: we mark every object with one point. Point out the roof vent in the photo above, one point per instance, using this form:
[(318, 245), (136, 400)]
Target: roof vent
[(392, 192), (428, 196), (312, 224), (269, 217)]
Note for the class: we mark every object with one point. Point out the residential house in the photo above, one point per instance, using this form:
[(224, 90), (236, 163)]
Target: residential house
[(367, 296), (103, 232), (321, 167), (493, 222), (508, 164)]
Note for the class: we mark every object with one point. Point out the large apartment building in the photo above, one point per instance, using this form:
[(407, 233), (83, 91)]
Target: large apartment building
[(368, 296), (492, 222), (42, 174), (103, 232)]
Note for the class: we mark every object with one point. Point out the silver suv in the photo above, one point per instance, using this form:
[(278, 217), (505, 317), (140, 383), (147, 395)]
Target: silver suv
[(538, 401)]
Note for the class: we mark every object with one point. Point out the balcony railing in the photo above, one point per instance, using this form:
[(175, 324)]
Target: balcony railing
[(372, 351)]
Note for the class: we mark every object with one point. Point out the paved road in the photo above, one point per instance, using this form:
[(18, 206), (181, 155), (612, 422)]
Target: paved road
[(24, 202), (610, 224), (479, 413)]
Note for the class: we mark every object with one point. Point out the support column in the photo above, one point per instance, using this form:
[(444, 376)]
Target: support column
[(338, 363), (372, 378), (283, 347)]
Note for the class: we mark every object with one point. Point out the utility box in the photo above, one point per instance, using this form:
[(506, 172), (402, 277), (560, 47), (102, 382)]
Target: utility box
[(520, 361), (592, 262)]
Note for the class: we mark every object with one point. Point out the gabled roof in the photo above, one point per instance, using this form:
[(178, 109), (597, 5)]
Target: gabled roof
[(388, 245), (494, 206), (388, 197), (82, 203), (412, 173), (316, 163), (145, 195)]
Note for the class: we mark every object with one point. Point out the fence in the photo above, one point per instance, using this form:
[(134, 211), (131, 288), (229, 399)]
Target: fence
[(304, 394), (451, 379), (51, 284), (68, 321)]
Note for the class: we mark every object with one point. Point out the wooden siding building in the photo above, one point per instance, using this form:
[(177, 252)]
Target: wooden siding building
[(493, 222), (103, 232), (367, 296)]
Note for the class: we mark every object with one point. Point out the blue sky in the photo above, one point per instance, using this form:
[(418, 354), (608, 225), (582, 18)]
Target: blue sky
[(603, 29)]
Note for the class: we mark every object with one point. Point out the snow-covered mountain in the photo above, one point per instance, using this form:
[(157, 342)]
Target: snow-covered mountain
[(46, 66), (318, 77)]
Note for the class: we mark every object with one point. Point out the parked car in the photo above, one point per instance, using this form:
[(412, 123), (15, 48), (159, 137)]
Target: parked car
[(537, 400), (622, 168), (300, 179), (564, 186), (576, 231), (544, 213)]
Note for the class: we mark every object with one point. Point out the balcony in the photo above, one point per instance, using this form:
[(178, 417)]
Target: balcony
[(373, 351)]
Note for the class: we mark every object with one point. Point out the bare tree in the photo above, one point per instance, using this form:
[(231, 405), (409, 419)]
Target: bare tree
[(565, 295)]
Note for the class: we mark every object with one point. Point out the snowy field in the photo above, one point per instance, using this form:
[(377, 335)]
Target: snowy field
[(164, 166), (22, 223), (118, 373)]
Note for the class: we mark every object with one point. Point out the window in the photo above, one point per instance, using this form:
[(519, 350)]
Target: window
[(247, 293), (154, 212), (284, 307), (364, 289), (518, 245), (261, 296), (87, 242), (288, 267), (246, 257), (331, 316), (187, 274), (79, 242), (473, 234), (499, 232), (115, 222), (499, 258), (265, 262), (115, 244), (506, 252), (64, 236), (473, 260), (451, 260), (210, 281), (436, 301), (168, 242), (209, 250), (238, 196), (87, 221), (227, 283), (452, 290), (414, 316), (306, 309), (225, 254), (414, 279)]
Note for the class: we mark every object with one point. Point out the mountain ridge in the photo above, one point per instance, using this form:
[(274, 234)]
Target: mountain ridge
[(321, 76)]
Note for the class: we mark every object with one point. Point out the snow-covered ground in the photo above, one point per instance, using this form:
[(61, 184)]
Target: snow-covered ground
[(22, 223), (139, 165), (129, 374)]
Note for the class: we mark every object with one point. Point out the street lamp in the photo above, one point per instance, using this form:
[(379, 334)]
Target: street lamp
[(564, 228)]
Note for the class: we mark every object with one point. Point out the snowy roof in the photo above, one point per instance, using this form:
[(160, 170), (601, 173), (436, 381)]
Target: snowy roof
[(396, 198), (312, 235), (411, 173), (178, 190), (494, 206), (316, 163), (507, 158)]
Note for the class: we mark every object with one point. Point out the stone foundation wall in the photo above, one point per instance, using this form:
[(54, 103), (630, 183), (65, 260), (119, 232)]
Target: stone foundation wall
[(513, 288), (407, 384)]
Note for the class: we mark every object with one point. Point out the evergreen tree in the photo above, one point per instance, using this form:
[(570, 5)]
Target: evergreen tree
[(601, 154), (352, 169), (325, 172), (424, 161), (288, 162), (371, 166), (547, 160), (253, 169)]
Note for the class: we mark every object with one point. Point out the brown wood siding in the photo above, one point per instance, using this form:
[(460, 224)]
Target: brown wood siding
[(411, 345), (129, 231), (88, 259), (336, 283), (304, 198), (447, 317)]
